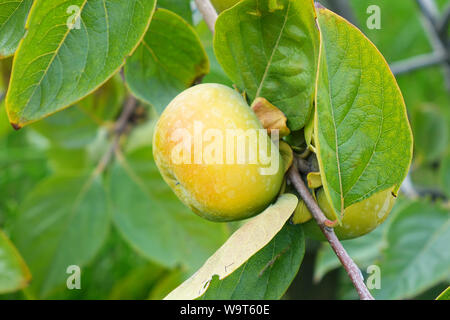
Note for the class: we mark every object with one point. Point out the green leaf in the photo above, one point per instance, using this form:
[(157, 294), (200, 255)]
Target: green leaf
[(169, 60), (63, 222), (444, 295), (416, 256), (113, 274), (14, 273), (12, 24), (431, 132), (71, 48), (153, 220), (67, 161), (271, 52), (70, 129), (180, 7), (362, 134), (268, 274)]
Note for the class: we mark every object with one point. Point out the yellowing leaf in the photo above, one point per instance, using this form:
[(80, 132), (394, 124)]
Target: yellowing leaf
[(242, 245)]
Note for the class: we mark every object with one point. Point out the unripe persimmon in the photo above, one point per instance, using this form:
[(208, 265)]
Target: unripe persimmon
[(214, 153), (358, 219)]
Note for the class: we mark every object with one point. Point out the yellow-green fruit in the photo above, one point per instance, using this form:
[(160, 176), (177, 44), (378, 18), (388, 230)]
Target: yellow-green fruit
[(222, 5), (359, 219), (203, 146)]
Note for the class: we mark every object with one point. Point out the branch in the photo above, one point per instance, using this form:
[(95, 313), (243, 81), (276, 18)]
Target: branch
[(350, 266), (119, 129), (208, 12), (418, 62), (210, 16), (437, 38)]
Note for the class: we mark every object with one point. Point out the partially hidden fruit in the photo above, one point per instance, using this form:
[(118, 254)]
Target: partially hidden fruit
[(359, 219), (198, 148), (222, 5)]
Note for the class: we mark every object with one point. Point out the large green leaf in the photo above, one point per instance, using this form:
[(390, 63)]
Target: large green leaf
[(268, 274), (153, 220), (416, 256), (55, 65), (269, 49), (169, 60), (12, 24), (63, 222), (362, 133), (14, 273), (69, 129)]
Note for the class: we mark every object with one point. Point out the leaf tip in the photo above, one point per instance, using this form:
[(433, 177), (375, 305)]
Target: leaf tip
[(318, 5), (16, 126)]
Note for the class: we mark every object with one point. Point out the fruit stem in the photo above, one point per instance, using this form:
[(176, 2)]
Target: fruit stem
[(350, 266)]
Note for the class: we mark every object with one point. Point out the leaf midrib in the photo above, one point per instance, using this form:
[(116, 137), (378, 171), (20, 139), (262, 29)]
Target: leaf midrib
[(275, 48)]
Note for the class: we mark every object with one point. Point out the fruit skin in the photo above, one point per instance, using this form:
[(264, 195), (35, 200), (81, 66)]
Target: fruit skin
[(359, 219), (222, 5), (218, 192)]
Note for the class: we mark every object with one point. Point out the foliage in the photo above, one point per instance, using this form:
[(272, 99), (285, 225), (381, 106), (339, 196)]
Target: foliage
[(79, 189)]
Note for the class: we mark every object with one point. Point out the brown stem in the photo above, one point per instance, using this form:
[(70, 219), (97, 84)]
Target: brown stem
[(119, 129), (350, 266), (210, 16)]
